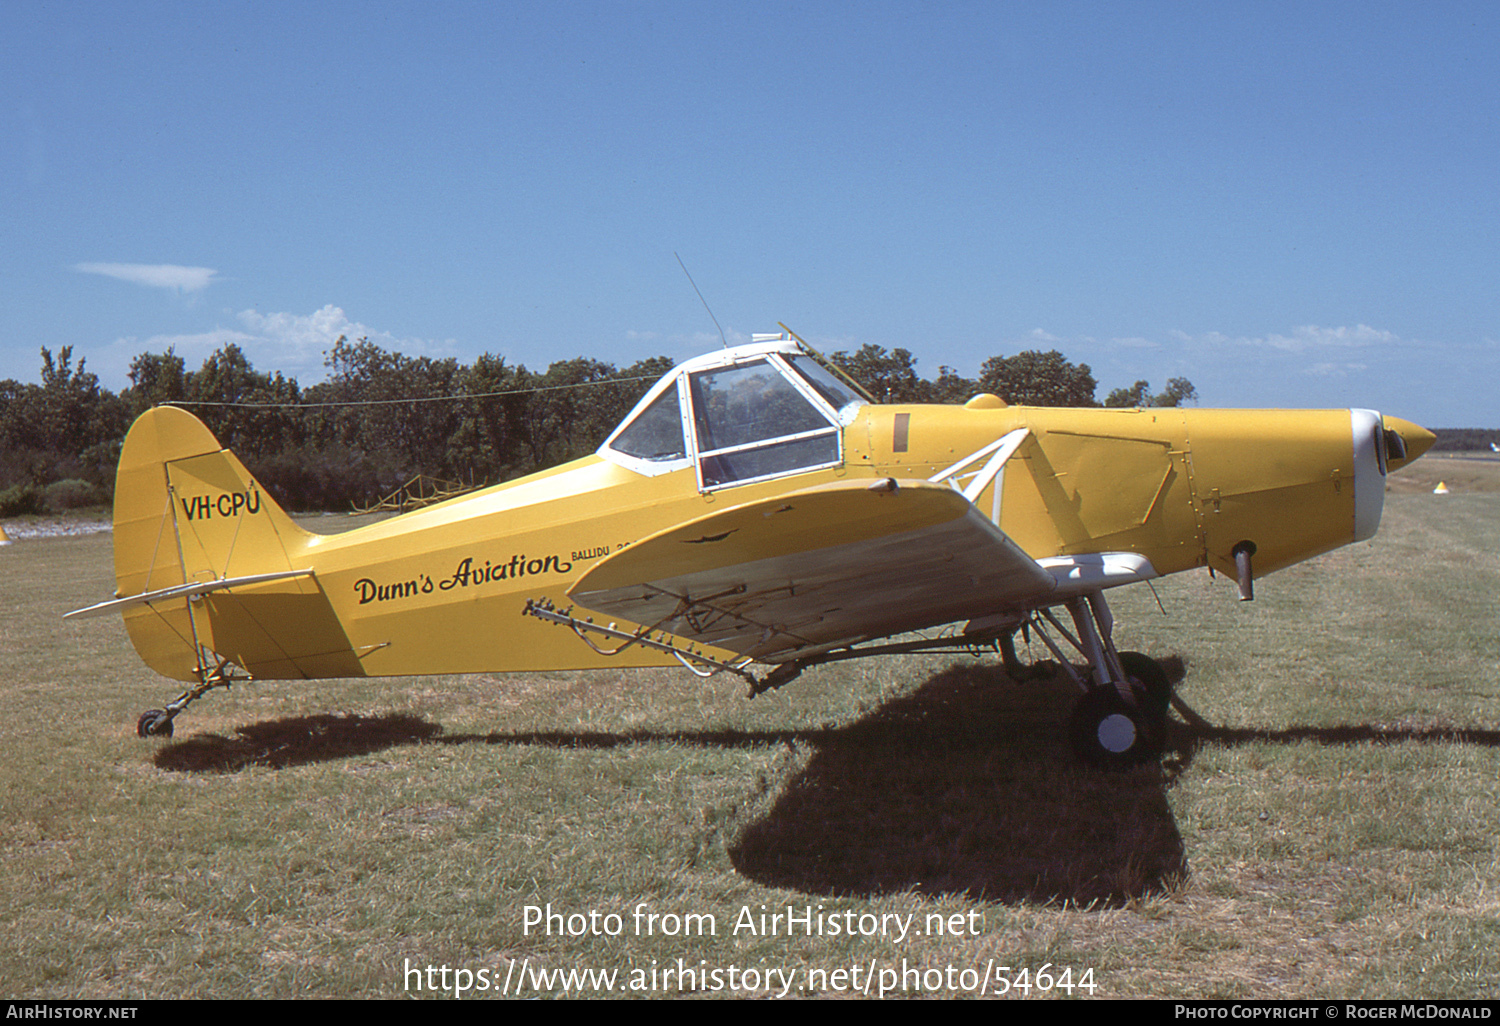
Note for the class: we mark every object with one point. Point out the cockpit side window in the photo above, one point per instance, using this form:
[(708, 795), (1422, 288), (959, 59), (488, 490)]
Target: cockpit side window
[(750, 423), (656, 434)]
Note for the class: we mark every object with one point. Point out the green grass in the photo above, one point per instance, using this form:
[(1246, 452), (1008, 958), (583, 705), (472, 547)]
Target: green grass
[(1330, 834)]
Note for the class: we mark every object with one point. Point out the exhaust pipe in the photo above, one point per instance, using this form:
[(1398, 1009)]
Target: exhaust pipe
[(1242, 553)]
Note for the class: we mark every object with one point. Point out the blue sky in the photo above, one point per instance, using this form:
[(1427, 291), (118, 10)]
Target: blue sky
[(1288, 204)]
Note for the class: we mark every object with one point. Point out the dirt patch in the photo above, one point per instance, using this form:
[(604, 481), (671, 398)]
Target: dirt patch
[(55, 526)]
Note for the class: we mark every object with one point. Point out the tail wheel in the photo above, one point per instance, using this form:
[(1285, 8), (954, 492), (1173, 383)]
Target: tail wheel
[(1111, 732), (154, 723)]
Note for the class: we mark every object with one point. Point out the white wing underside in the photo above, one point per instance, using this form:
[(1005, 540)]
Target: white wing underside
[(826, 567)]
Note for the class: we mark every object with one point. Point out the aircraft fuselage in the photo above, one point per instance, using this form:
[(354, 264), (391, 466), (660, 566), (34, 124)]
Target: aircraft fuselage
[(442, 589)]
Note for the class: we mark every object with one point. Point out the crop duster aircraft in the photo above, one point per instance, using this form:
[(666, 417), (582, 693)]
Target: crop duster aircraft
[(756, 513)]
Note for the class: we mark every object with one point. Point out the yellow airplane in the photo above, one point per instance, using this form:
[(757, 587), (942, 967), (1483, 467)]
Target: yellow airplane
[(756, 513)]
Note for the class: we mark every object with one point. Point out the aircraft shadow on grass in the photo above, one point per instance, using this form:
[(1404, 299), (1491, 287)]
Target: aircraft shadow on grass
[(294, 742), (965, 787)]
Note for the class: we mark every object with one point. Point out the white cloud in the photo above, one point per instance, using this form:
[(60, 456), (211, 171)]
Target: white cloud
[(159, 276), (112, 363), (1304, 338), (293, 344), (1310, 336), (1335, 370)]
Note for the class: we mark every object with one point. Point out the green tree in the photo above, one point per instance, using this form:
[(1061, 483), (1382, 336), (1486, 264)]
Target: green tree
[(21, 462), (66, 402), (251, 412), (1178, 391), (889, 377), (155, 378), (1034, 378), (488, 438), (402, 424), (66, 428), (77, 425), (1138, 394), (951, 387), (560, 420)]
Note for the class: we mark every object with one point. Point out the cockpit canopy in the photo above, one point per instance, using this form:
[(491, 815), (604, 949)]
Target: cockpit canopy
[(742, 415)]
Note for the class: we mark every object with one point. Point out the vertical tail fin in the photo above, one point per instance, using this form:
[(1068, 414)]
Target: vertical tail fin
[(188, 512)]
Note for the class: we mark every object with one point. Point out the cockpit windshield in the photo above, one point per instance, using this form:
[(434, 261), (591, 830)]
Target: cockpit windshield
[(739, 417), (834, 392)]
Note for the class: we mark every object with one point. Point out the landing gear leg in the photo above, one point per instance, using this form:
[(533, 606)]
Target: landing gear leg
[(158, 722), (1121, 719)]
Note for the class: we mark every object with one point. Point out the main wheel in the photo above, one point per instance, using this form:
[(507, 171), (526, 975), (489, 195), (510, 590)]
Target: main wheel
[(154, 723), (1111, 732)]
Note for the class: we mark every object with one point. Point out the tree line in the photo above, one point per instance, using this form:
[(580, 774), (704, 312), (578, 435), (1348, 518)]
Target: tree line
[(1466, 439), (382, 417)]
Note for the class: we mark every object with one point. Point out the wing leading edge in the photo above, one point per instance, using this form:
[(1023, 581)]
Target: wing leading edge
[(790, 576)]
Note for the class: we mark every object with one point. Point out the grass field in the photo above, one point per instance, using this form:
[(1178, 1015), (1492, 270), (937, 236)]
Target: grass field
[(1331, 834)]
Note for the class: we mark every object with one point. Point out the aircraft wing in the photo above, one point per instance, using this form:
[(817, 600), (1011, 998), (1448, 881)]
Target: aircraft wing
[(789, 576)]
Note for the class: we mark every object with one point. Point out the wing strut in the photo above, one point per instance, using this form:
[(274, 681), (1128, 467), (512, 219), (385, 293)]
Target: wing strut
[(999, 452)]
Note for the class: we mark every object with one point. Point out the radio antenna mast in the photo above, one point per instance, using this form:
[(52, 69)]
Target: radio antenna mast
[(702, 300)]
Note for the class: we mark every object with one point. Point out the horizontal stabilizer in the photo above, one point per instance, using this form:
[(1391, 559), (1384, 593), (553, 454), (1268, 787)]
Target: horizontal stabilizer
[(183, 591)]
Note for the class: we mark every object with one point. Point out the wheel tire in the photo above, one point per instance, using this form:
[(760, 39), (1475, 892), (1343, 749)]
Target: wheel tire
[(1110, 732), (1149, 674), (154, 723)]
